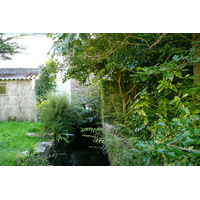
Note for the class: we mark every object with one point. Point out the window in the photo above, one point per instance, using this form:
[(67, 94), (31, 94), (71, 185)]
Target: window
[(2, 88)]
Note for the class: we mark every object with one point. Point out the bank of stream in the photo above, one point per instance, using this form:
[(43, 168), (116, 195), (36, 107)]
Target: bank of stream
[(80, 151)]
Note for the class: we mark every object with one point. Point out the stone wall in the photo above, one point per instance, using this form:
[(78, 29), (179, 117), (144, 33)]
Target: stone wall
[(78, 90), (19, 102)]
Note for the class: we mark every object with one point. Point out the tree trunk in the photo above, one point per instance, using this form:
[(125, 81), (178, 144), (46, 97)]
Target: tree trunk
[(196, 67)]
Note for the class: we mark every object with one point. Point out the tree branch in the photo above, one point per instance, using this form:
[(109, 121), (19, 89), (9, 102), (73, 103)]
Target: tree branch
[(158, 40), (130, 90), (182, 36)]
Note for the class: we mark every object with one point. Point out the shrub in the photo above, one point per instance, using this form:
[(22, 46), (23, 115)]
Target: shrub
[(57, 115), (164, 118), (32, 159), (118, 149), (46, 81), (60, 116)]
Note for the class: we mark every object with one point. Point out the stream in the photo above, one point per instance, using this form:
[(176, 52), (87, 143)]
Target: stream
[(80, 151)]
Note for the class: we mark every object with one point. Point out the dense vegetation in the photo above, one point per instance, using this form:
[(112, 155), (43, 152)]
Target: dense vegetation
[(149, 85), (60, 116)]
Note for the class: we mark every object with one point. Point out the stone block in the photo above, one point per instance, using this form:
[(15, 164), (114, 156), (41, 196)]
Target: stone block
[(43, 148), (34, 134)]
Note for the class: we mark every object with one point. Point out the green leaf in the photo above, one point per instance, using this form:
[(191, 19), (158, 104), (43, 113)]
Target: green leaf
[(176, 58), (170, 154), (193, 77), (195, 131), (141, 112), (196, 154), (187, 75), (178, 75), (196, 42), (161, 86), (169, 76), (184, 122), (174, 88), (175, 100), (71, 36), (54, 52), (84, 36), (160, 124), (188, 141), (144, 79), (79, 43), (198, 142), (163, 68), (156, 161), (184, 110), (197, 60), (59, 35), (138, 68), (66, 42), (185, 95), (161, 150), (60, 50), (177, 151), (179, 136), (146, 121)]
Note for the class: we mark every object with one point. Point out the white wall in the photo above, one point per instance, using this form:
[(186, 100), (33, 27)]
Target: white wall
[(63, 88), (20, 101)]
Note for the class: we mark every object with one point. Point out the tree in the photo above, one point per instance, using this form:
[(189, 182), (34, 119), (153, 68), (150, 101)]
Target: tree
[(114, 57), (152, 76), (8, 48)]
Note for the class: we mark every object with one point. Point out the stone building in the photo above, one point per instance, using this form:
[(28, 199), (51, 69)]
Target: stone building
[(18, 76), (17, 93), (18, 96)]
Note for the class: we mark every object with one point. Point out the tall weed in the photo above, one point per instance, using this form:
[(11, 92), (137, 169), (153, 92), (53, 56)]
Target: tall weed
[(58, 115)]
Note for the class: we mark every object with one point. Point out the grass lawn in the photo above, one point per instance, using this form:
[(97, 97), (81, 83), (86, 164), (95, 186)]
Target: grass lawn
[(14, 141)]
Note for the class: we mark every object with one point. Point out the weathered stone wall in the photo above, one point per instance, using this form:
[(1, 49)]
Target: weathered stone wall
[(19, 102)]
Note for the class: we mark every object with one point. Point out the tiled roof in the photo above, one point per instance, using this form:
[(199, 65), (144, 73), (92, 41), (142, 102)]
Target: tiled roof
[(18, 73)]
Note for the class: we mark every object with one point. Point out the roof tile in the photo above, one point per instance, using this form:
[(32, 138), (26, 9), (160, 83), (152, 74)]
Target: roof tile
[(18, 73)]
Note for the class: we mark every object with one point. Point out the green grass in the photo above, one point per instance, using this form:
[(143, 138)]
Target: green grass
[(14, 141)]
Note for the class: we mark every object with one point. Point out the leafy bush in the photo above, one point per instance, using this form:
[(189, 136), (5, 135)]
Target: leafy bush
[(118, 149), (164, 119), (58, 115), (46, 81), (162, 124), (32, 159)]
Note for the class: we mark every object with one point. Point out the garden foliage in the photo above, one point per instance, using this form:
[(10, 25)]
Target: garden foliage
[(163, 120), (147, 91), (57, 115), (60, 116), (46, 81)]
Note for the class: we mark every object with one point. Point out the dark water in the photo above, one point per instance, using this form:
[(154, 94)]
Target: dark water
[(80, 151)]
